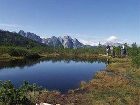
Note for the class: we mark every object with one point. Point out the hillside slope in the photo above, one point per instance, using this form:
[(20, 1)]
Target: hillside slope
[(13, 39)]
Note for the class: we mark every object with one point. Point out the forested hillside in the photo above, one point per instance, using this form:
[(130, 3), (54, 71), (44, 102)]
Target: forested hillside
[(13, 39), (13, 44)]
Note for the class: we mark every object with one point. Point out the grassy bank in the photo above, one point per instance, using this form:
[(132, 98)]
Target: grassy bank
[(16, 53), (119, 84), (8, 53)]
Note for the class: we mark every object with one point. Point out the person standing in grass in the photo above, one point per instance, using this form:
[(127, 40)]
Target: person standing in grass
[(112, 49), (107, 50), (123, 51), (113, 53)]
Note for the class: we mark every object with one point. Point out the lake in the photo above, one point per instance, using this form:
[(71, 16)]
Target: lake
[(59, 75)]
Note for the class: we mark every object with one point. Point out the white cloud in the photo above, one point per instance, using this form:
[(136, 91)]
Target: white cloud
[(94, 42), (16, 27), (89, 42), (112, 39), (10, 25)]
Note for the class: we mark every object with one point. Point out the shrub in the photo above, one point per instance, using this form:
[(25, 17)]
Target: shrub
[(136, 60), (16, 96), (32, 56), (18, 52), (3, 50)]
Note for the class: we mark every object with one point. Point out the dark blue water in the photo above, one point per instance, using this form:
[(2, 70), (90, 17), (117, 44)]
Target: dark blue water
[(58, 75)]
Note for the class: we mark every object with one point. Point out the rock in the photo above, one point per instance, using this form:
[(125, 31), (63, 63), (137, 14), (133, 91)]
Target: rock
[(30, 36), (77, 44), (68, 43), (22, 33), (53, 41)]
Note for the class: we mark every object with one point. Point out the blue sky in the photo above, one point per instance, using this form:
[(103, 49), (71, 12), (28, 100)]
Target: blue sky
[(88, 20)]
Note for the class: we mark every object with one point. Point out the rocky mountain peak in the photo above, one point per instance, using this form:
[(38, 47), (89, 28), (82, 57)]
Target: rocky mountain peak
[(30, 36), (21, 32), (67, 37), (65, 41)]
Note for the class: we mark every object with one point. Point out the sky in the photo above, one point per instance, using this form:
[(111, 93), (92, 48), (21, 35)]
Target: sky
[(90, 21)]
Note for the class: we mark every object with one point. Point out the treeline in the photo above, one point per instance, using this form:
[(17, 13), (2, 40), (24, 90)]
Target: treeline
[(11, 51), (91, 50)]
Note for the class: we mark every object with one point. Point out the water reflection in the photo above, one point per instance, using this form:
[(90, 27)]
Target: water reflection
[(31, 62), (52, 73)]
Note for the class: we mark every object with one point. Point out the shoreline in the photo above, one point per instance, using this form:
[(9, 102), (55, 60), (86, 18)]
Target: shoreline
[(108, 86), (6, 57), (100, 89)]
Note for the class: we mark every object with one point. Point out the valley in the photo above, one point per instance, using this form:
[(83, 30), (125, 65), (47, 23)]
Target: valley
[(84, 75)]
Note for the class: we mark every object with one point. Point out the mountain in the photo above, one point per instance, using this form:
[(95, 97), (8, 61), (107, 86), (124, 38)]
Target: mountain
[(30, 39), (30, 36), (53, 41), (14, 39), (77, 44), (66, 41)]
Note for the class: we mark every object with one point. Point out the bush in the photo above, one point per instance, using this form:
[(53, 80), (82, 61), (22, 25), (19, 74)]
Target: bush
[(16, 96), (136, 60), (18, 52), (32, 56), (3, 50)]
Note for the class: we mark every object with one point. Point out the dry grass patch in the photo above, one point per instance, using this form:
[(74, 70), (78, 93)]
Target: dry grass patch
[(119, 67), (120, 60)]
